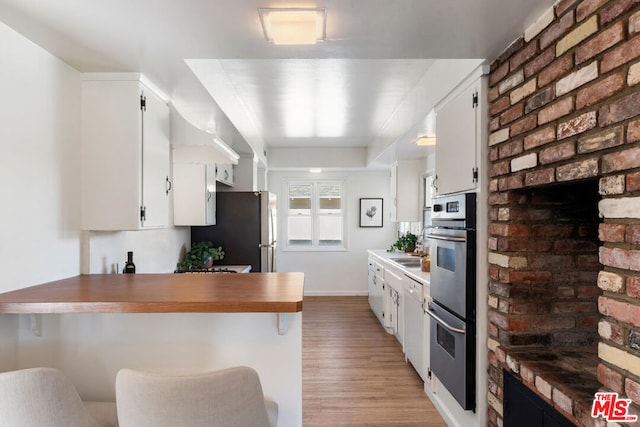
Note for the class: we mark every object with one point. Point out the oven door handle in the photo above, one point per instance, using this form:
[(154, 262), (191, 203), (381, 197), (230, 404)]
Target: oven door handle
[(445, 324), (446, 238)]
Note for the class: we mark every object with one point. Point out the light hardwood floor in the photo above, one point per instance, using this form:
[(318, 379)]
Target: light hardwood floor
[(354, 373)]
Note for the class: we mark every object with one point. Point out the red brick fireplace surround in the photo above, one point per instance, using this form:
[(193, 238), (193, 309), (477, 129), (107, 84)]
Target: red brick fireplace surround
[(564, 218)]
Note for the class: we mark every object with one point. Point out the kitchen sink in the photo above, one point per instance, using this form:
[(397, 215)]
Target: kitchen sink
[(407, 262)]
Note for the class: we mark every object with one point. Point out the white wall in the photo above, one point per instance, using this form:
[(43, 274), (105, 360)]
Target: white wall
[(313, 157), (245, 175), (39, 165), (154, 251), (39, 171), (341, 272)]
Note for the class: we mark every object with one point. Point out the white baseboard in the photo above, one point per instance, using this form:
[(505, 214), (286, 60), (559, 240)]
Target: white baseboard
[(336, 293)]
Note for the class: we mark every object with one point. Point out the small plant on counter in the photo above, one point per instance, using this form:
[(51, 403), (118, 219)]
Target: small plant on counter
[(200, 257), (405, 243)]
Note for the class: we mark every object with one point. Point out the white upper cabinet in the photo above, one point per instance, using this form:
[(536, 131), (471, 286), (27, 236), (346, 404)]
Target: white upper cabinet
[(194, 196), (193, 146), (405, 190), (457, 124), (224, 173), (125, 154), (197, 161), (428, 191)]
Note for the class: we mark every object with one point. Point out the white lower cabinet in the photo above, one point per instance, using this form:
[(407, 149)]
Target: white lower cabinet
[(376, 296), (194, 194), (371, 278), (414, 318), (388, 309), (394, 279), (372, 286), (426, 337), (399, 306), (385, 294)]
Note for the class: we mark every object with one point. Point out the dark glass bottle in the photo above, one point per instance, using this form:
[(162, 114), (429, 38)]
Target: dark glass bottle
[(129, 267)]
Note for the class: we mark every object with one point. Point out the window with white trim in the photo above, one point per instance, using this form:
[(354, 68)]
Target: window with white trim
[(315, 215)]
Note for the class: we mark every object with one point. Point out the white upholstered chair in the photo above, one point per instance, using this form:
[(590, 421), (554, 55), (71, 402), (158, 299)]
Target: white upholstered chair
[(39, 397), (228, 398)]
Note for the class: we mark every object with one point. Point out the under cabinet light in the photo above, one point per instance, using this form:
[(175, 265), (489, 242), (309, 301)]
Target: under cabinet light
[(227, 150), (294, 26)]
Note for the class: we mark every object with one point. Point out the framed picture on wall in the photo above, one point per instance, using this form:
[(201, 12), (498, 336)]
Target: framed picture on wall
[(371, 212)]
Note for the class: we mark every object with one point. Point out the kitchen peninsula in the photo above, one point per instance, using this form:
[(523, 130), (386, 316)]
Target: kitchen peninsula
[(90, 326), (161, 293)]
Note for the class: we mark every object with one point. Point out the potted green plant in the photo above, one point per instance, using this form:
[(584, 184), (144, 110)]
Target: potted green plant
[(200, 257), (406, 243)]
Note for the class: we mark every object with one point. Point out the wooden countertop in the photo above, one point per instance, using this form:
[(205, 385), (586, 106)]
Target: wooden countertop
[(161, 293)]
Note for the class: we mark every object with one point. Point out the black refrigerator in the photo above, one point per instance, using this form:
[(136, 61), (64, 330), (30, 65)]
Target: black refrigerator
[(245, 228)]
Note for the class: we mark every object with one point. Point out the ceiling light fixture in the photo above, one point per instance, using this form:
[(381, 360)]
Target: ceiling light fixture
[(291, 26), (315, 170), (426, 141)]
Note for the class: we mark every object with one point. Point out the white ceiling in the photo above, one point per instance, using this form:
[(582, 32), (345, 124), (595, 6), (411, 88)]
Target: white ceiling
[(331, 102), (341, 92)]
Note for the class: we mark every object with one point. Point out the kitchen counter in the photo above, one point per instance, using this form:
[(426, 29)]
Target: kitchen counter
[(161, 293), (413, 272)]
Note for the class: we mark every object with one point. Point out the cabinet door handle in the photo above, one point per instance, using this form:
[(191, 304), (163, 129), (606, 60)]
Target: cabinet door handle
[(167, 186)]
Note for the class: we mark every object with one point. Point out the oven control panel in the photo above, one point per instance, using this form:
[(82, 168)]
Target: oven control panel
[(455, 207), (447, 207)]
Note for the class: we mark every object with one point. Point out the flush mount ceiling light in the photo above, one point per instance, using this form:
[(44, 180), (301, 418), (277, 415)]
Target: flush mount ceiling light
[(426, 140), (294, 25)]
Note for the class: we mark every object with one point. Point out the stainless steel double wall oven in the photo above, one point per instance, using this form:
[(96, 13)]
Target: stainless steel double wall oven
[(453, 305)]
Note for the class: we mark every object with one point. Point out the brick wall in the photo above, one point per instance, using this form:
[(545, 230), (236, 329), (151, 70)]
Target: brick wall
[(565, 108)]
